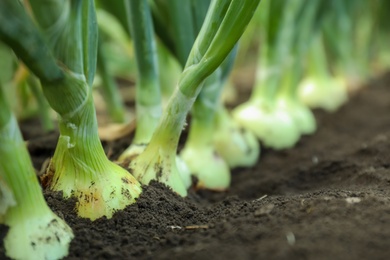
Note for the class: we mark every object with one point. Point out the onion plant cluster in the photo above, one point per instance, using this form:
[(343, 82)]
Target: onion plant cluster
[(309, 54), (312, 53), (58, 42)]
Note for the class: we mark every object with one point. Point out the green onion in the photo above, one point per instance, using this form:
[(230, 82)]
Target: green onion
[(148, 96), (79, 155), (350, 32), (223, 26), (116, 53), (207, 137), (236, 145), (215, 142), (274, 112), (319, 89), (110, 91), (117, 10), (274, 127), (34, 230), (171, 72), (43, 106), (180, 13), (79, 167), (199, 153)]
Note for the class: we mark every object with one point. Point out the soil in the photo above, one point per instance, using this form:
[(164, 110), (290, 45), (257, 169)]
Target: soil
[(327, 198)]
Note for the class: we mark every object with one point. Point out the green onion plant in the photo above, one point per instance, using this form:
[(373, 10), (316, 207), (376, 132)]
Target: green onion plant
[(341, 53), (319, 88), (24, 89), (204, 162), (109, 87), (236, 145), (223, 26), (116, 43), (35, 232), (148, 93), (79, 167), (274, 112), (208, 137)]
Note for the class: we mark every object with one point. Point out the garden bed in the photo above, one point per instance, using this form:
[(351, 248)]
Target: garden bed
[(327, 198)]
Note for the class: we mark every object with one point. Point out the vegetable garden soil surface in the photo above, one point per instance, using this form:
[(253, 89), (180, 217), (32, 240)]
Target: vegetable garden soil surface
[(327, 198)]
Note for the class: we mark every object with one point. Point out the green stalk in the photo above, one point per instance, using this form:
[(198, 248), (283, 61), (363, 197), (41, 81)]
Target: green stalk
[(365, 24), (209, 31), (43, 106), (117, 9), (162, 23), (264, 71), (344, 35), (183, 28), (290, 77), (279, 44), (89, 34), (199, 11), (33, 51), (339, 34), (66, 33), (148, 93), (304, 20), (308, 23), (110, 89), (49, 20), (172, 70), (317, 61), (206, 103), (203, 111), (34, 229), (223, 26)]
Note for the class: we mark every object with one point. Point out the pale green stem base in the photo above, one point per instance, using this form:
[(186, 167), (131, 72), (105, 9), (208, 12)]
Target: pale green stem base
[(202, 158), (158, 161), (237, 145), (34, 230), (81, 169)]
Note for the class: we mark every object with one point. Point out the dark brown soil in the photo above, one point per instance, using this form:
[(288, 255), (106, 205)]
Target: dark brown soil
[(328, 198)]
